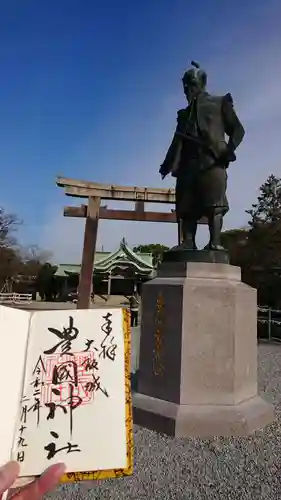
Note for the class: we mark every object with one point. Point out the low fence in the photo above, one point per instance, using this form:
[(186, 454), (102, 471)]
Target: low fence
[(15, 298), (269, 320), (269, 324)]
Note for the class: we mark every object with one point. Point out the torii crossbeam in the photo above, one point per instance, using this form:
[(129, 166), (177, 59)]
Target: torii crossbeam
[(94, 211)]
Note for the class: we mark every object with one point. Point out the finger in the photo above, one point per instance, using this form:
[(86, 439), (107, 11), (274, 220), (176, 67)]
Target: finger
[(43, 484), (8, 474)]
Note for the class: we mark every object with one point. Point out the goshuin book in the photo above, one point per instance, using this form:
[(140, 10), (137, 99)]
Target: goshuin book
[(65, 391)]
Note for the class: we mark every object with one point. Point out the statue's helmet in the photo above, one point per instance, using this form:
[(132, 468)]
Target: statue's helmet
[(194, 78)]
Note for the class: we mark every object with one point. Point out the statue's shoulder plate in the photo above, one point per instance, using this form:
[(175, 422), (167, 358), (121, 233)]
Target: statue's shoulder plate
[(227, 98), (181, 114), (214, 99)]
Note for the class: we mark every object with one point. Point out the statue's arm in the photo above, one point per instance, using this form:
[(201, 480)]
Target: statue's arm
[(232, 125), (167, 165)]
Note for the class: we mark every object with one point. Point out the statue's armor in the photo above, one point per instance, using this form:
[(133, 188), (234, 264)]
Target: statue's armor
[(201, 178), (199, 156)]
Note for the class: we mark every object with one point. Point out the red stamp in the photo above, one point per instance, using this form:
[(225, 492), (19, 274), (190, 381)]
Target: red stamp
[(68, 376)]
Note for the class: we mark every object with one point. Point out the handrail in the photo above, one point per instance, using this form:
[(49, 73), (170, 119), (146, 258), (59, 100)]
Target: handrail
[(269, 320), (15, 298)]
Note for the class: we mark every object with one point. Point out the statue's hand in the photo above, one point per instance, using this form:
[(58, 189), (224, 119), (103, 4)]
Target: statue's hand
[(162, 172), (228, 156)]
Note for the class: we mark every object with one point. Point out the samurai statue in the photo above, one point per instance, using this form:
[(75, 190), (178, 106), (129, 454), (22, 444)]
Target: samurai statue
[(199, 156)]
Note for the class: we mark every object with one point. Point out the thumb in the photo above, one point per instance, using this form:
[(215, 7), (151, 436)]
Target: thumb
[(8, 474)]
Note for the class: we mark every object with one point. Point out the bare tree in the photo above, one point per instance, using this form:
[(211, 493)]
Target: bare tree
[(8, 225), (33, 253)]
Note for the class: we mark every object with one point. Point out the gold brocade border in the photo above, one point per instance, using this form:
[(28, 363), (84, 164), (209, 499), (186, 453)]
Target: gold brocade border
[(72, 477)]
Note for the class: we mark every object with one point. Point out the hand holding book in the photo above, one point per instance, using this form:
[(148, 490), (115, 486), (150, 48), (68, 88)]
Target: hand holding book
[(35, 490), (65, 384)]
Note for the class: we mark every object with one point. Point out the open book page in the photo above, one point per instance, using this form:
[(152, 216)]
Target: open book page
[(14, 325), (73, 402)]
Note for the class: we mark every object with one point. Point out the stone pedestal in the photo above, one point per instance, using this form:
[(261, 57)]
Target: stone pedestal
[(198, 353)]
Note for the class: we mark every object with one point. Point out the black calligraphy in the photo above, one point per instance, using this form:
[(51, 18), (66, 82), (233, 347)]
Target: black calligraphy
[(108, 347), (21, 441), (88, 344), (36, 383), (39, 367), (53, 450), (90, 364), (35, 407), (95, 386), (65, 372), (66, 336), (63, 380)]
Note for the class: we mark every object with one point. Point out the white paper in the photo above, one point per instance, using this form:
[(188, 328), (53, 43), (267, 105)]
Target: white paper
[(98, 422), (14, 325)]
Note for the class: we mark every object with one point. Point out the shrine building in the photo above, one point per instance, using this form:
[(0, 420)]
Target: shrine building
[(117, 273)]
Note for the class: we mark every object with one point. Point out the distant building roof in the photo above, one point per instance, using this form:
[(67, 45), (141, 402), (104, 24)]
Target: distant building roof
[(106, 262)]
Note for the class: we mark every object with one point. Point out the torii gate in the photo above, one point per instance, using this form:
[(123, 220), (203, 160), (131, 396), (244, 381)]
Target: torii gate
[(94, 211)]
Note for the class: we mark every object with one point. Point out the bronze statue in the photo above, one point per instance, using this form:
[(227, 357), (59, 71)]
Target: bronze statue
[(199, 157)]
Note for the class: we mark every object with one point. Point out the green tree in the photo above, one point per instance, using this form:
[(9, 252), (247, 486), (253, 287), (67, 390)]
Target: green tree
[(151, 248), (46, 282), (265, 225), (262, 266), (156, 249), (236, 242), (257, 248), (267, 209)]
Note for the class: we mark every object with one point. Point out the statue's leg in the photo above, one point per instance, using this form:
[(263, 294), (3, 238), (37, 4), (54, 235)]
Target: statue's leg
[(189, 228), (186, 209), (215, 222), (213, 187)]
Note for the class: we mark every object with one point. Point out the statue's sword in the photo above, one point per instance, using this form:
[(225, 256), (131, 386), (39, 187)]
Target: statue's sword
[(200, 143)]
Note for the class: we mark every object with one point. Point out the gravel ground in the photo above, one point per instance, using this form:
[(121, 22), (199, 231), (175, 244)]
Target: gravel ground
[(187, 469)]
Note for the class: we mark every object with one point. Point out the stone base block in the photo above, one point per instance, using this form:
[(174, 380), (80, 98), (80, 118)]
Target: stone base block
[(198, 353), (204, 421)]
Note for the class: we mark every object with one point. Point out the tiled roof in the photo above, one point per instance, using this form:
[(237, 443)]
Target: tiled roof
[(106, 261)]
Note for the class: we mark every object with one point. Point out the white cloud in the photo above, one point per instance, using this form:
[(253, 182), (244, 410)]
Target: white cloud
[(253, 77)]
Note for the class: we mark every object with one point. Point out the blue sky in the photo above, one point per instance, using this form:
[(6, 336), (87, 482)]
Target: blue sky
[(90, 90)]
